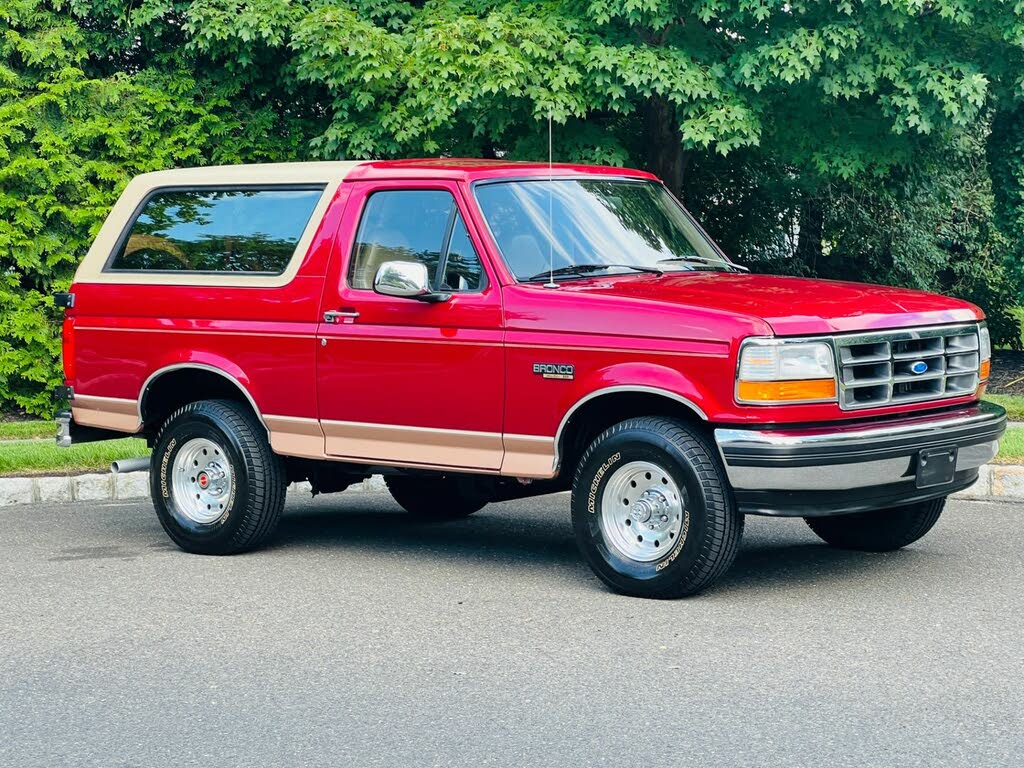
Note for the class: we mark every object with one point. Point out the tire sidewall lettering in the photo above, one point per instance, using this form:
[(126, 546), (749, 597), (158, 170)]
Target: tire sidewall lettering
[(677, 466), (684, 534), (596, 482), (164, 461)]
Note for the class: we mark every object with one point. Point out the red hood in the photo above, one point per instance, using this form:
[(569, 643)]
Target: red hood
[(792, 306)]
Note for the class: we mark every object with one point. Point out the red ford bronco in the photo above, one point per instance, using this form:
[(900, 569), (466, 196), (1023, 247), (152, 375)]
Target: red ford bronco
[(478, 331)]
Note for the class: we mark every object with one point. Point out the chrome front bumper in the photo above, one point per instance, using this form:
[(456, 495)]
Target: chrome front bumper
[(856, 466)]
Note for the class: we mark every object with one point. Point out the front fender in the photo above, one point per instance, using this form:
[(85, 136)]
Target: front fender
[(646, 377)]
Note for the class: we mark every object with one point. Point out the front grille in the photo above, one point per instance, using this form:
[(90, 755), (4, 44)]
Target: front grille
[(907, 366)]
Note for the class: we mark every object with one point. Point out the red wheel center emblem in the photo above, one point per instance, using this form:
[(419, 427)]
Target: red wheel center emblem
[(203, 480)]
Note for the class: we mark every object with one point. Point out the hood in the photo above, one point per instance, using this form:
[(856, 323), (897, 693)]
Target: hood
[(792, 306)]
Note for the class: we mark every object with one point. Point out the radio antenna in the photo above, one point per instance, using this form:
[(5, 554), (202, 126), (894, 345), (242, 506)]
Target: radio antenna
[(551, 233)]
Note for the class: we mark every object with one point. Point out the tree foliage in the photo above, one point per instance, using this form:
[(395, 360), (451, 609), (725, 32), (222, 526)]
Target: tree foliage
[(848, 139)]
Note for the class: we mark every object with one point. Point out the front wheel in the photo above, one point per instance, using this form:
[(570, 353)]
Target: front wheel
[(880, 530), (651, 510), (217, 487)]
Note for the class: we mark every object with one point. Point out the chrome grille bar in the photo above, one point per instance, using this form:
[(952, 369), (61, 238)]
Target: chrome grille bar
[(907, 365)]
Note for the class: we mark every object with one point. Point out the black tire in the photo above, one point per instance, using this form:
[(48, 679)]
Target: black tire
[(436, 498), (880, 530), (254, 474), (709, 528)]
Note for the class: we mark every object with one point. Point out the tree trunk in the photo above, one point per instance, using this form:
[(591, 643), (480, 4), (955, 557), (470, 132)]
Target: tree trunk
[(666, 157), (809, 239)]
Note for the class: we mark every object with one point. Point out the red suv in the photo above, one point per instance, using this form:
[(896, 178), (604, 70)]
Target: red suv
[(478, 331)]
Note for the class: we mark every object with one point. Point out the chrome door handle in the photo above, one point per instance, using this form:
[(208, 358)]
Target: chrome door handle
[(339, 315)]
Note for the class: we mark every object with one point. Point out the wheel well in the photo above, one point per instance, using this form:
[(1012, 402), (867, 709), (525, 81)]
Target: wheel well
[(171, 390), (595, 416)]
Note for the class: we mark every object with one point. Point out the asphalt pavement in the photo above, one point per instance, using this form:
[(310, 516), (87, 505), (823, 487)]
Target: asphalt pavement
[(363, 638)]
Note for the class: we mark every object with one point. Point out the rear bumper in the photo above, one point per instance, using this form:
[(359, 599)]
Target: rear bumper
[(834, 469), (71, 433)]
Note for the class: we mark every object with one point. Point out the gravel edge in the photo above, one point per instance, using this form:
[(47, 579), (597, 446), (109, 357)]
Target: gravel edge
[(995, 481)]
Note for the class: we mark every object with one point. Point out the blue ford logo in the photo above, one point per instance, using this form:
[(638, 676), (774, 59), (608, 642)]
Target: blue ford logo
[(919, 367)]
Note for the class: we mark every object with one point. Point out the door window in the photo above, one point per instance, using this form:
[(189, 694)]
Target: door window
[(421, 225)]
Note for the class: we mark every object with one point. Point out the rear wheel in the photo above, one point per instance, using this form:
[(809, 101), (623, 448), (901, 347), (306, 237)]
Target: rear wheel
[(437, 498), (217, 486), (652, 513), (881, 530)]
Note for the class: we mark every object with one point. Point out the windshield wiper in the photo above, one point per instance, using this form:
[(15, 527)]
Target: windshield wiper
[(582, 269), (704, 260)]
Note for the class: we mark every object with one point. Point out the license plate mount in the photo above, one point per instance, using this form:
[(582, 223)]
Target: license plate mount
[(935, 466)]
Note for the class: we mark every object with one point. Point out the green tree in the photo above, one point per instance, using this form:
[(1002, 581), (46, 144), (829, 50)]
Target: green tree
[(813, 136)]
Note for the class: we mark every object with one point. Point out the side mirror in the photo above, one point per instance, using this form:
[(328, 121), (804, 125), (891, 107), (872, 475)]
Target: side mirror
[(406, 280)]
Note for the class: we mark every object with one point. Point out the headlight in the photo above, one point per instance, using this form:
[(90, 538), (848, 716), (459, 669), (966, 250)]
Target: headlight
[(985, 345), (773, 371)]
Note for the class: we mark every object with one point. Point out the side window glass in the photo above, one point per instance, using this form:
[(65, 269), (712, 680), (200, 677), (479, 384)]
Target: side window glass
[(227, 230), (400, 225), (462, 268)]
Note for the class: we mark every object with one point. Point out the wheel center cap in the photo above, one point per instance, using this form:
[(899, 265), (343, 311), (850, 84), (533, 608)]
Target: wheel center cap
[(203, 479), (641, 511), (649, 504)]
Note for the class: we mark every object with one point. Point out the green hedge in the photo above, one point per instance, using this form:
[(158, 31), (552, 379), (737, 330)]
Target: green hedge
[(831, 139)]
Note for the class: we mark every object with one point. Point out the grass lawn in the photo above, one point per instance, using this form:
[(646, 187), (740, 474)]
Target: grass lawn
[(1014, 405), (1011, 448), (24, 430), (43, 457)]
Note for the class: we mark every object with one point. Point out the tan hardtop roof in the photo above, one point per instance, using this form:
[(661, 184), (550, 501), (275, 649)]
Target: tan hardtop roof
[(256, 173), (327, 174)]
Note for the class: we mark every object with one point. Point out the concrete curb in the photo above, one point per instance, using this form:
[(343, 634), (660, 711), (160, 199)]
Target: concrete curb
[(111, 487), (995, 482)]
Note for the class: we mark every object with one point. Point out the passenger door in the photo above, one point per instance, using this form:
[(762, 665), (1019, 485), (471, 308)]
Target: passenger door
[(401, 380)]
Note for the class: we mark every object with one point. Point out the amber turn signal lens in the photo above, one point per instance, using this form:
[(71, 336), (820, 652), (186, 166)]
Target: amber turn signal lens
[(786, 391), (986, 366)]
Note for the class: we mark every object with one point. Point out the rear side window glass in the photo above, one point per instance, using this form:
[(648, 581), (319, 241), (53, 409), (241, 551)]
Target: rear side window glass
[(229, 230)]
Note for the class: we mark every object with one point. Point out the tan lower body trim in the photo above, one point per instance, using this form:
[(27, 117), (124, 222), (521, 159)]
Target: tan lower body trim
[(118, 414), (414, 445), (292, 436), (529, 456), (420, 447)]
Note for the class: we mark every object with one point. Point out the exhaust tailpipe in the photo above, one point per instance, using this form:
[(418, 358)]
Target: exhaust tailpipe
[(129, 465)]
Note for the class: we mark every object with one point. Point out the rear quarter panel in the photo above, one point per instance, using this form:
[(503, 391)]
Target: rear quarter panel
[(264, 337)]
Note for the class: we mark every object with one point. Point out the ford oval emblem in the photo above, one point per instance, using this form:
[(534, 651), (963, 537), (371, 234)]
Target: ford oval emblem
[(918, 367)]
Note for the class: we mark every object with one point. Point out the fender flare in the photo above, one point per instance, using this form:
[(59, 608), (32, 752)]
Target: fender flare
[(159, 372), (618, 388)]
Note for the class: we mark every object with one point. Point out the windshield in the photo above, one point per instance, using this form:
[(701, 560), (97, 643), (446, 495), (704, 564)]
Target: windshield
[(616, 223)]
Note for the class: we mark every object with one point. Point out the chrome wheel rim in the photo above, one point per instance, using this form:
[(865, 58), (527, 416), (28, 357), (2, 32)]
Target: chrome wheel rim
[(643, 512), (203, 482)]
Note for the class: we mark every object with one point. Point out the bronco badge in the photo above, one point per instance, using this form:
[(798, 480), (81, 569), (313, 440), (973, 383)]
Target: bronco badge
[(555, 370)]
